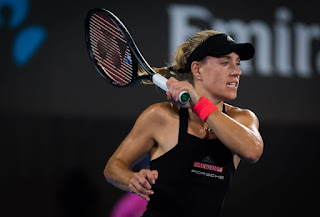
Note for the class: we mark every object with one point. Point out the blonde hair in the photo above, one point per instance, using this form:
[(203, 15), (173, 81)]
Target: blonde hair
[(181, 55)]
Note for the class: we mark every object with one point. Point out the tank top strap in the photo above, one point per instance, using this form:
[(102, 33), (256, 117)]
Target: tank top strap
[(183, 123)]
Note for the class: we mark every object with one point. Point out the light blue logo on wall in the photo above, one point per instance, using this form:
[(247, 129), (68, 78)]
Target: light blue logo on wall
[(29, 39)]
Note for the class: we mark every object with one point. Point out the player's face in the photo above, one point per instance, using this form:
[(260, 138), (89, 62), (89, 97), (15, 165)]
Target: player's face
[(220, 76)]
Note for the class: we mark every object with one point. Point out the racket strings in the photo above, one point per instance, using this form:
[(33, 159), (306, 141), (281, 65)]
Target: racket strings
[(110, 45), (110, 50), (110, 42)]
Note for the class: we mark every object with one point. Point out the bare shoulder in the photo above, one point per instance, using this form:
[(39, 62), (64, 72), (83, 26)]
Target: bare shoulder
[(159, 113), (244, 116), (236, 111)]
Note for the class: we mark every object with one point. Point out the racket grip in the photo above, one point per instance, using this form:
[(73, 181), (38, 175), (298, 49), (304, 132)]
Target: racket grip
[(161, 82)]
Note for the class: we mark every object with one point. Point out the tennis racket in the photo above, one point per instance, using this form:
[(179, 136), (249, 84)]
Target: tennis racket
[(115, 55)]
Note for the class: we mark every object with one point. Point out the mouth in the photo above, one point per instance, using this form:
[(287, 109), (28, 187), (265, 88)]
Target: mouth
[(232, 84)]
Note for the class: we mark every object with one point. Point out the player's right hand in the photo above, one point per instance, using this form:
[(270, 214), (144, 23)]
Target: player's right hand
[(142, 181)]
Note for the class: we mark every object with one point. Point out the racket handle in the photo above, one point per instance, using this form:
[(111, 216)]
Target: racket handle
[(161, 82)]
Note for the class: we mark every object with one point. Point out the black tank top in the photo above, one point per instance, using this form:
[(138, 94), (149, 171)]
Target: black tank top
[(194, 176)]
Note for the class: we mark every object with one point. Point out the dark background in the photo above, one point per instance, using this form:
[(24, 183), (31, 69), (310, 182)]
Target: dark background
[(60, 121)]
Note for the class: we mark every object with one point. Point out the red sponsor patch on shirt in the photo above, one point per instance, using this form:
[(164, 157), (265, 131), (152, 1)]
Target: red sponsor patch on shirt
[(208, 167)]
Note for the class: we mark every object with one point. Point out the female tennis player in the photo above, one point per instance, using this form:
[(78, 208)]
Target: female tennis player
[(194, 148)]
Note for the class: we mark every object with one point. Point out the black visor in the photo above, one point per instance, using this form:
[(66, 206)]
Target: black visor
[(217, 46)]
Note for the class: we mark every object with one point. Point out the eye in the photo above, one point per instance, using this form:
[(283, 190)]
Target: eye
[(238, 64), (225, 63)]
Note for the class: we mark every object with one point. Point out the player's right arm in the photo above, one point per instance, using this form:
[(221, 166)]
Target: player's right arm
[(136, 145)]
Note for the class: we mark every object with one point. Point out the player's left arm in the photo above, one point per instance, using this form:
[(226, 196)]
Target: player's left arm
[(239, 131)]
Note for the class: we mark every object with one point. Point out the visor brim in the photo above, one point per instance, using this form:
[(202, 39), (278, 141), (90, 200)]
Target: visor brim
[(244, 50)]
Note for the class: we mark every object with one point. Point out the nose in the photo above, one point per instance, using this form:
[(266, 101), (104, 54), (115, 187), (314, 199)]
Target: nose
[(235, 70)]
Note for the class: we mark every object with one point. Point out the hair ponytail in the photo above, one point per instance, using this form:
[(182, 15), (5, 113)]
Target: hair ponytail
[(164, 71)]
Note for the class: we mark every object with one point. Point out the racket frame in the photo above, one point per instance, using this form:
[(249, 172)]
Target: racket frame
[(136, 56), (156, 78)]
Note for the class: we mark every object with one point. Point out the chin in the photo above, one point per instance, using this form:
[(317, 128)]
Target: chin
[(229, 98)]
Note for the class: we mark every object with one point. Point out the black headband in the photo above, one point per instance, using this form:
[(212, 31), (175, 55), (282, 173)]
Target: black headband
[(217, 46)]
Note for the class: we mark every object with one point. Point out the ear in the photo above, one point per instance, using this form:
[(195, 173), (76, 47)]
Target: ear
[(195, 68)]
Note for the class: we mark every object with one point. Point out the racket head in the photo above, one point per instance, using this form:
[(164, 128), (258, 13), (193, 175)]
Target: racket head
[(109, 47)]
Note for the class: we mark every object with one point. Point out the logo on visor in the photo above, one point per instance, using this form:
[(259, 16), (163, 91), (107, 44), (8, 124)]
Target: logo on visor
[(230, 39)]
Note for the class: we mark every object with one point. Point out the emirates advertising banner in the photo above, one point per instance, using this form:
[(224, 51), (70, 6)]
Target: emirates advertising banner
[(46, 67)]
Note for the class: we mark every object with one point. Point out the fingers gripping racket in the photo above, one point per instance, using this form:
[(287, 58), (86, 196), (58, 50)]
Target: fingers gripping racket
[(115, 55)]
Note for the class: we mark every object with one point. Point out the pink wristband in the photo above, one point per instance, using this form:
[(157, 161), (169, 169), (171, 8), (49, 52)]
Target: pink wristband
[(203, 108)]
